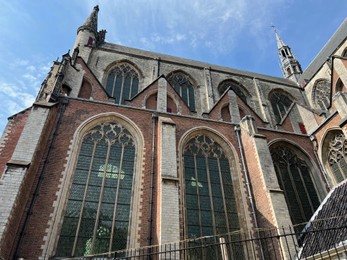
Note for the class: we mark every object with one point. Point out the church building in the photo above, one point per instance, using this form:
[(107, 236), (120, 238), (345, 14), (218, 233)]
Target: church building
[(127, 149)]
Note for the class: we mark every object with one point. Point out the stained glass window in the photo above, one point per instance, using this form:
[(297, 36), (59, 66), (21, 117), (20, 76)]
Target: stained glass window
[(337, 156), (295, 180), (280, 104), (98, 209), (184, 87), (210, 200), (122, 83)]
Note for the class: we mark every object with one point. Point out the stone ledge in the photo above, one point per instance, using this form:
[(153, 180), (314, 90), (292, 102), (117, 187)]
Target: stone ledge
[(20, 163), (276, 190), (169, 178)]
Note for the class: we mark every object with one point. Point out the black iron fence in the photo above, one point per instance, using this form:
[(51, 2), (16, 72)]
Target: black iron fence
[(280, 243)]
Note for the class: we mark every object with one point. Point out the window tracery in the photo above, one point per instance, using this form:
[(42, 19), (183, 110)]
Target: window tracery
[(337, 156), (235, 87), (321, 94), (295, 180), (97, 216), (210, 199), (122, 83), (280, 103), (183, 85)]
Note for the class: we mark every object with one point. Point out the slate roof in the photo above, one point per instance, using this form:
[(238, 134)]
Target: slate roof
[(329, 48), (328, 226)]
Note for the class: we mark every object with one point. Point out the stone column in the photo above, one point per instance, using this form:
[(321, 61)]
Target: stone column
[(208, 89), (168, 206), (162, 95), (262, 103), (233, 107)]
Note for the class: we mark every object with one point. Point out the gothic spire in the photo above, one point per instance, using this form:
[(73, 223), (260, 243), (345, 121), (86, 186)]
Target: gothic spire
[(280, 43), (290, 66), (91, 23)]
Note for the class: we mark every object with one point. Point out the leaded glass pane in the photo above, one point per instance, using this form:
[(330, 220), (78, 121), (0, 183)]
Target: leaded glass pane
[(210, 200), (102, 185), (295, 180)]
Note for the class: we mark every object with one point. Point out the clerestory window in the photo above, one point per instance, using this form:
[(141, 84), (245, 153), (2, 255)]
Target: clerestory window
[(295, 180), (122, 83), (97, 216), (280, 105), (235, 87), (183, 85)]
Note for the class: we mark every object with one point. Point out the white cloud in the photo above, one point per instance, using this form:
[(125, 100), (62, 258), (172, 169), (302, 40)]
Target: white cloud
[(213, 24)]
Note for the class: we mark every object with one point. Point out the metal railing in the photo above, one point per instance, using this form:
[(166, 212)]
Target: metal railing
[(279, 243)]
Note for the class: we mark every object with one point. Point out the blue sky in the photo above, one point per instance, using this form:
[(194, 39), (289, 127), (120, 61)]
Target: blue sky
[(233, 33)]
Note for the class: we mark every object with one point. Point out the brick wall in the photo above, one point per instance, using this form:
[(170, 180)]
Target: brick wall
[(10, 137)]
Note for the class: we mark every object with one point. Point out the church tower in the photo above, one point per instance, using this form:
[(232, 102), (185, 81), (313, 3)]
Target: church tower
[(88, 35), (290, 66)]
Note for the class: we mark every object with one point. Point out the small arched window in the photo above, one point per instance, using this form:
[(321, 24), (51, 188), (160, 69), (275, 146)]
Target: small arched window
[(321, 94), (280, 103), (183, 85), (295, 180), (235, 87), (337, 156), (122, 83), (97, 217)]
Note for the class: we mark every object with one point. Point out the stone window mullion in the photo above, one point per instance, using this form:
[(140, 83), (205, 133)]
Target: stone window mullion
[(84, 200)]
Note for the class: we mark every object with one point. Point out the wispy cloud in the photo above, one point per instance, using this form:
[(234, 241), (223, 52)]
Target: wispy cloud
[(214, 25), (19, 87)]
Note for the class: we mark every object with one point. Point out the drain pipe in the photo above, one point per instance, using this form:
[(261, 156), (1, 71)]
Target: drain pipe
[(249, 189), (154, 122)]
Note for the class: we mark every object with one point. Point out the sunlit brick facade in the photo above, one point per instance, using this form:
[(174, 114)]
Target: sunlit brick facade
[(125, 148)]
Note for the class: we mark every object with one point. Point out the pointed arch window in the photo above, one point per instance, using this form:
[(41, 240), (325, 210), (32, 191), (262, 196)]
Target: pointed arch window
[(122, 83), (280, 103), (321, 94), (210, 199), (337, 156), (184, 87), (209, 194), (235, 87), (295, 180), (97, 214)]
